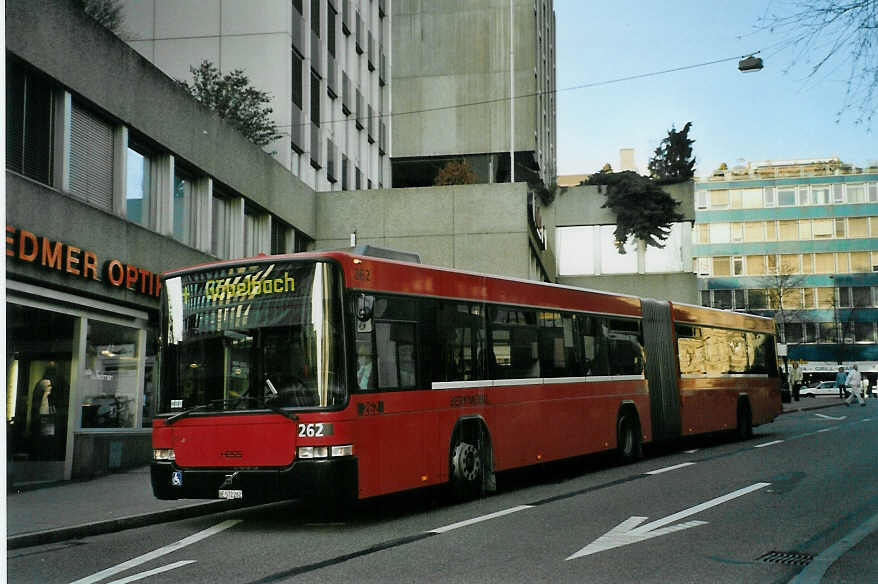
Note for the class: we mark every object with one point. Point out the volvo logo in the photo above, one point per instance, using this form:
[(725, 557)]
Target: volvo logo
[(232, 454)]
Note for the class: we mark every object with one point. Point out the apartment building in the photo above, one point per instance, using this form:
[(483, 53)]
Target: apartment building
[(460, 90), (325, 63), (798, 240)]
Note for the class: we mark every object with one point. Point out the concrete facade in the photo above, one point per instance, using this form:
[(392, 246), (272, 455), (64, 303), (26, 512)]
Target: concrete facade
[(481, 228), (330, 100), (451, 86)]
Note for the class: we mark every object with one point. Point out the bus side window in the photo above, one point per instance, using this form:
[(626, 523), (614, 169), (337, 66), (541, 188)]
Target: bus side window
[(396, 355), (594, 345), (625, 347)]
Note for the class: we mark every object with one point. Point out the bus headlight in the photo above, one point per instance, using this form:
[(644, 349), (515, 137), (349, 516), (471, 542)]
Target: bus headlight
[(324, 451), (345, 450), (163, 454)]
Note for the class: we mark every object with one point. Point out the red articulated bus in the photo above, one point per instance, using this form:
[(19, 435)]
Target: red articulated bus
[(342, 375)]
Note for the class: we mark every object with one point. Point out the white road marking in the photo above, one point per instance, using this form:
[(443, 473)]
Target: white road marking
[(479, 519), (630, 530), (691, 451), (826, 430), (196, 537), (152, 572), (669, 468), (825, 417), (813, 572), (764, 444)]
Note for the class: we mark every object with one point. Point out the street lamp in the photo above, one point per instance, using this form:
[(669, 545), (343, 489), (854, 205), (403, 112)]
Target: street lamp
[(750, 64)]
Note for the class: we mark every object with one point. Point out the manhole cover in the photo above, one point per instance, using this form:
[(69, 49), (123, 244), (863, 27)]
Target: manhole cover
[(790, 558)]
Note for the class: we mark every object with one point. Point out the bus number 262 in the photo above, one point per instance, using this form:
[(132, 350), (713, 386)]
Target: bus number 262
[(314, 430)]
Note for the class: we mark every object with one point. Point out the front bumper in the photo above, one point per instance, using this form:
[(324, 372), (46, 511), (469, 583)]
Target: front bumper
[(325, 478)]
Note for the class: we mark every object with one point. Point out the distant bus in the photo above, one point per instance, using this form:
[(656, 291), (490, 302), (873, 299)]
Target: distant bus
[(341, 375)]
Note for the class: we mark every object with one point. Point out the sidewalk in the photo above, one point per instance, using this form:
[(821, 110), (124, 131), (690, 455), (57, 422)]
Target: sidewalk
[(105, 504)]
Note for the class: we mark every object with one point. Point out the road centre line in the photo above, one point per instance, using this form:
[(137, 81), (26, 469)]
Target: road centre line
[(764, 444), (827, 430), (474, 520), (194, 538), (152, 572), (669, 468)]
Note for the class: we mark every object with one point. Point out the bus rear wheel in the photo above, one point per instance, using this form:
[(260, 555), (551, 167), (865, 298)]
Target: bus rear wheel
[(467, 470), (628, 439), (745, 421)]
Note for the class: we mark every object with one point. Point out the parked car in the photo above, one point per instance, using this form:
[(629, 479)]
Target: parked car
[(829, 388)]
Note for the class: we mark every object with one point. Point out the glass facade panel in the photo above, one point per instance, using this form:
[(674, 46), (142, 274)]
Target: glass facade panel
[(856, 193), (184, 208), (786, 197), (825, 297), (109, 383), (790, 264), (820, 195), (757, 299), (722, 299)]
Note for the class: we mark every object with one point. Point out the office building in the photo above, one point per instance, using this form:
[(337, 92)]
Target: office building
[(798, 240), (451, 89)]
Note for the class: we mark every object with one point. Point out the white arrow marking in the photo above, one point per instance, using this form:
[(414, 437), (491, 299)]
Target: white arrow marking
[(628, 531), (830, 417)]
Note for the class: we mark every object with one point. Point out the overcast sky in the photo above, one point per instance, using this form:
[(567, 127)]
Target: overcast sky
[(774, 114)]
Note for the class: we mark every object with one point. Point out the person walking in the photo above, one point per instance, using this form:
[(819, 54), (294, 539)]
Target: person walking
[(840, 379), (795, 380), (854, 383)]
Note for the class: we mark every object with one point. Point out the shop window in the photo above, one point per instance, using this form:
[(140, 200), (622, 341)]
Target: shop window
[(109, 379), (29, 123), (722, 299), (39, 347), (139, 199)]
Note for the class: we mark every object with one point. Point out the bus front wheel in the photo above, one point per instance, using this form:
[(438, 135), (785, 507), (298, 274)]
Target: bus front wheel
[(628, 439), (467, 470)]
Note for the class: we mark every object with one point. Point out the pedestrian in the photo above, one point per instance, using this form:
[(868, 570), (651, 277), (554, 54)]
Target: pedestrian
[(840, 379), (795, 380), (854, 383)]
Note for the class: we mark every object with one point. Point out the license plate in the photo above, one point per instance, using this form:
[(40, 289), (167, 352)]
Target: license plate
[(231, 494)]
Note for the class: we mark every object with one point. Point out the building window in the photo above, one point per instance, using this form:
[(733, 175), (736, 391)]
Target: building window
[(825, 297), (788, 230), (758, 299), (721, 266), (315, 99), (862, 296), (29, 122), (315, 17), (184, 207), (790, 263), (738, 265), (297, 88), (719, 199), (722, 299), (820, 195), (330, 30), (91, 159), (138, 187), (856, 193), (769, 196), (864, 332), (786, 197), (754, 231), (860, 262), (705, 298), (837, 193), (858, 227), (805, 229), (281, 237), (756, 265), (738, 297), (827, 332), (751, 198), (221, 229), (824, 263), (719, 232)]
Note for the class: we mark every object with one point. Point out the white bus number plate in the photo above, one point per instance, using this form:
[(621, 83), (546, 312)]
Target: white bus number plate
[(231, 494)]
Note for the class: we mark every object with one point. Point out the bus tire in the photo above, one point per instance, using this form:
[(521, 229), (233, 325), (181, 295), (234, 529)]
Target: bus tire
[(628, 438), (745, 420), (467, 470)]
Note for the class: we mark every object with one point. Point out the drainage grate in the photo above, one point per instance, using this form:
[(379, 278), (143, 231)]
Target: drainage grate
[(789, 558)]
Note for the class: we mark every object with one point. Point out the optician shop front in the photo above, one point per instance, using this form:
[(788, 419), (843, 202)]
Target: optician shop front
[(80, 352)]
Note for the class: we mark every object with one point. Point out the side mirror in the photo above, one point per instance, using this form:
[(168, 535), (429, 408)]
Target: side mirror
[(365, 304)]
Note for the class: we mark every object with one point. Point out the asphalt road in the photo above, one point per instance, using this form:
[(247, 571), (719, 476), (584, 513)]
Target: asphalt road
[(707, 510)]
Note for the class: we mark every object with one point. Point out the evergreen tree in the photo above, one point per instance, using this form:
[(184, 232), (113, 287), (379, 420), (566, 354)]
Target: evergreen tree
[(672, 161), (233, 98)]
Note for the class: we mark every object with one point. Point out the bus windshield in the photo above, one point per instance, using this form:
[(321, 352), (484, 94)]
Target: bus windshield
[(265, 335)]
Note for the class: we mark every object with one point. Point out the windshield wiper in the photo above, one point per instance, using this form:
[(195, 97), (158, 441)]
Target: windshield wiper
[(223, 401)]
